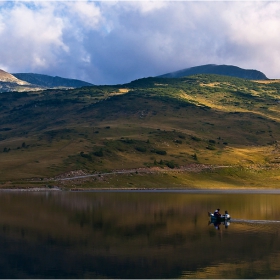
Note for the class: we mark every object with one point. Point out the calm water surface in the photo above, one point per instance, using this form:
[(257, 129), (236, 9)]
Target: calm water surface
[(138, 235)]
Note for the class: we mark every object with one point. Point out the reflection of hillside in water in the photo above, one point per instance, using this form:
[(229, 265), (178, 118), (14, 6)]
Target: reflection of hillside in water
[(264, 268), (137, 235)]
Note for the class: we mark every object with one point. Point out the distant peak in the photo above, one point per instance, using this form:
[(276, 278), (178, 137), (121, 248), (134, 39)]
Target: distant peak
[(225, 70), (50, 81), (9, 78)]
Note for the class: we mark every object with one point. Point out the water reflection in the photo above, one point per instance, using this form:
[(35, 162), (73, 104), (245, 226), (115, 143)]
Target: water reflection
[(217, 224), (137, 235)]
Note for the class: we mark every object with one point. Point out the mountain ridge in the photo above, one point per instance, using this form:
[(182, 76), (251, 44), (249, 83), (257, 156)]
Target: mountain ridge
[(6, 77), (23, 82), (50, 81), (225, 70)]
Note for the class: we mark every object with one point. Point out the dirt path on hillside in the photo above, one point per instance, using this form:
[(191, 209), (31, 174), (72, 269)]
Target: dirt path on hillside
[(80, 174)]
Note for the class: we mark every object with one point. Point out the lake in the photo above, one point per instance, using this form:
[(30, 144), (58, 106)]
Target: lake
[(138, 234)]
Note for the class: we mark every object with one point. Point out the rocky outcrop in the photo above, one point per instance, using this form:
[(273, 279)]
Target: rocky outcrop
[(6, 77)]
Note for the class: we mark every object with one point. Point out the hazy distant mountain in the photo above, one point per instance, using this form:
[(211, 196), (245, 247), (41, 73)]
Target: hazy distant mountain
[(33, 82), (6, 77), (9, 82), (50, 81), (226, 70)]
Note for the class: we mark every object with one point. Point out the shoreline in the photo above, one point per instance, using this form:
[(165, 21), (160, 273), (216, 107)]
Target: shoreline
[(191, 177), (151, 190)]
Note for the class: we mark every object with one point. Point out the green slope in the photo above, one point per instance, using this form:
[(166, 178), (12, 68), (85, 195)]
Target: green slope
[(152, 122)]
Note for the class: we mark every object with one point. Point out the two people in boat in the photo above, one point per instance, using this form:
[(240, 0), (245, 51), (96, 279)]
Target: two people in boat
[(217, 222)]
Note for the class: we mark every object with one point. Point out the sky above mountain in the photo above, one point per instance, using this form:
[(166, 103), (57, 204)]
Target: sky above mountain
[(110, 42)]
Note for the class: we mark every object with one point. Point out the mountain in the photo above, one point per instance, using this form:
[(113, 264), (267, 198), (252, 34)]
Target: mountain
[(23, 82), (9, 82), (156, 123), (225, 70), (6, 77), (50, 81)]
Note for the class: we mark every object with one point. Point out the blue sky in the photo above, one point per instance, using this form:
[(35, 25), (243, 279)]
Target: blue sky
[(111, 42)]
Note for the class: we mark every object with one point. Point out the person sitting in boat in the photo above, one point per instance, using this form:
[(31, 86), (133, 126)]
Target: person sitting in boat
[(217, 213)]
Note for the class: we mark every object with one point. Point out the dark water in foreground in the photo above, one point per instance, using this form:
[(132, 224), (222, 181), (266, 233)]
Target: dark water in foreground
[(138, 235)]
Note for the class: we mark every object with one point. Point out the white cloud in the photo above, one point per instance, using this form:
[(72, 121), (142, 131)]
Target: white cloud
[(144, 7), (30, 35), (87, 13), (252, 30), (115, 42)]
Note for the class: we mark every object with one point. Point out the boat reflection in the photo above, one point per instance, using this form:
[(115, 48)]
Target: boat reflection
[(217, 224)]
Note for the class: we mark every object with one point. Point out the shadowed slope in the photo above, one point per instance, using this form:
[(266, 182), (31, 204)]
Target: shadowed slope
[(50, 81), (225, 70)]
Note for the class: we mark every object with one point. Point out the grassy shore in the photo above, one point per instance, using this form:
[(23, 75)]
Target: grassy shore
[(189, 177)]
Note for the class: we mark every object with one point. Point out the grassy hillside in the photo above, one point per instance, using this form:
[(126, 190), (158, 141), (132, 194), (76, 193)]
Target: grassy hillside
[(152, 122)]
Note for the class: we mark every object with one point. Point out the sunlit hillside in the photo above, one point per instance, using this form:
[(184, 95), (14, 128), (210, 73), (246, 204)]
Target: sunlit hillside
[(149, 123)]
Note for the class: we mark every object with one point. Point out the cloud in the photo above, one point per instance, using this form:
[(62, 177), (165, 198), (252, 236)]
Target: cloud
[(255, 35), (115, 42), (30, 37), (84, 14)]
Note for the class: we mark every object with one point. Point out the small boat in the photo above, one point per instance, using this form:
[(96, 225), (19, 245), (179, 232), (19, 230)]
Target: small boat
[(222, 218)]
